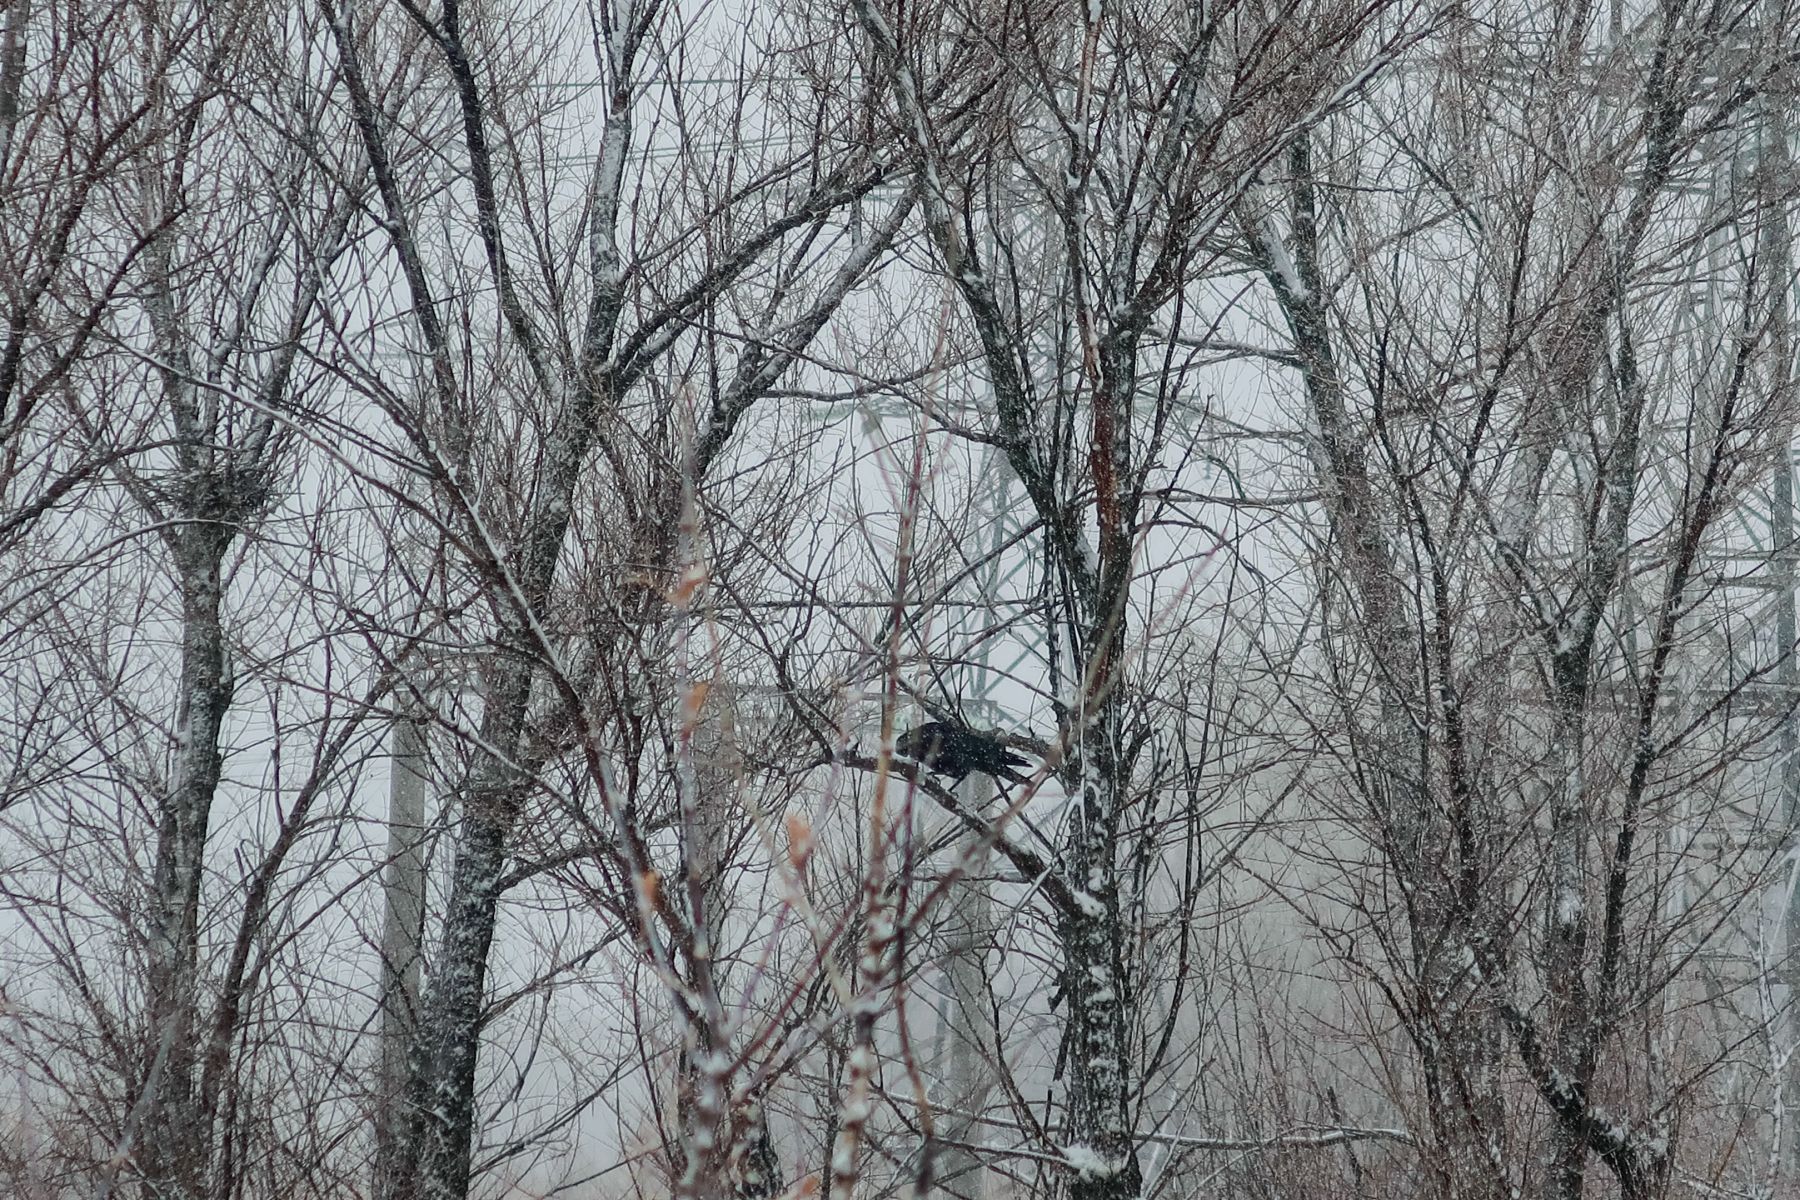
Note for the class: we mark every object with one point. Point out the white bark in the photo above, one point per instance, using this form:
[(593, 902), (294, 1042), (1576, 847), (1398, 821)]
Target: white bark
[(962, 1052), (403, 894)]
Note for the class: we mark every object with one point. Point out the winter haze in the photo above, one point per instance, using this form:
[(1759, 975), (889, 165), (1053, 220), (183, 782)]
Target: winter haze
[(854, 599)]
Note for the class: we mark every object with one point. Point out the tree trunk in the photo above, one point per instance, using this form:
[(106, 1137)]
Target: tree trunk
[(1565, 1152), (965, 1025), (1099, 1149), (175, 1151), (455, 1000), (403, 893)]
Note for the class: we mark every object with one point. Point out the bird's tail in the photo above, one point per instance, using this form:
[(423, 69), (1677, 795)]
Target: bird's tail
[(1009, 768)]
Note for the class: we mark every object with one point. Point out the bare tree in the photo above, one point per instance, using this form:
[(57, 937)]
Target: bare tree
[(179, 366), (1127, 134), (486, 487), (1525, 490), (697, 291), (67, 137)]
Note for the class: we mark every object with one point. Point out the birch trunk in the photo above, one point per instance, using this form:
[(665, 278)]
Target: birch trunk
[(1101, 1150)]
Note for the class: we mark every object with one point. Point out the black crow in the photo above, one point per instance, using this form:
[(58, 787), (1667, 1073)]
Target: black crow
[(953, 751)]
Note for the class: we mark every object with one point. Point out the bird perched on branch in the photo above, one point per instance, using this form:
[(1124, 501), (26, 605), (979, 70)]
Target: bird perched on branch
[(953, 751)]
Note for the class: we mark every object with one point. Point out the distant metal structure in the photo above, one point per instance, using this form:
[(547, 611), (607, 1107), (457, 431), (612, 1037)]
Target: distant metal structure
[(1759, 638), (992, 650), (962, 1077), (1775, 169)]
